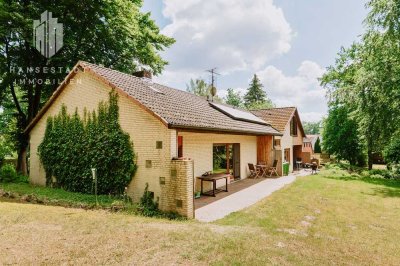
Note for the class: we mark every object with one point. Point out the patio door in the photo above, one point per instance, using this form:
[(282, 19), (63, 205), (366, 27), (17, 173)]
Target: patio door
[(236, 160)]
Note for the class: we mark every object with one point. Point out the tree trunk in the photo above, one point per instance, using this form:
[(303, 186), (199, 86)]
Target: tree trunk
[(22, 167), (370, 162)]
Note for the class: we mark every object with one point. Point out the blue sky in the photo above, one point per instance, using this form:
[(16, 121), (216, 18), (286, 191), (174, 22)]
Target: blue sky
[(288, 43)]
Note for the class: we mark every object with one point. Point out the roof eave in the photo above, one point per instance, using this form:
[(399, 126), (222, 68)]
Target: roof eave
[(222, 130)]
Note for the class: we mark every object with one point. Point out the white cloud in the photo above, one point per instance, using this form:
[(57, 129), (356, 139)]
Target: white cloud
[(302, 90), (229, 34)]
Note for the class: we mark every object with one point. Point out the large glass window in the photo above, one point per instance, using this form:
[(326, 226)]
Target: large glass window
[(222, 158)]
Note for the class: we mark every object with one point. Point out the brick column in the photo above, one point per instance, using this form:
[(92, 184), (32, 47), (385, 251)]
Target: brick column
[(180, 196)]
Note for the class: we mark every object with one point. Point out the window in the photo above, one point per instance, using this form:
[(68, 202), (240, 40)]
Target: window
[(293, 127), (287, 155), (180, 146), (277, 142)]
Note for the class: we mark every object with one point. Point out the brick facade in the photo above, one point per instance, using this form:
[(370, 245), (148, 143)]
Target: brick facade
[(172, 181), (145, 130)]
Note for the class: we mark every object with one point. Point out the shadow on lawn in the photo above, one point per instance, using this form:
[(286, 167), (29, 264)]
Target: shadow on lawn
[(389, 187), (386, 192), (393, 183)]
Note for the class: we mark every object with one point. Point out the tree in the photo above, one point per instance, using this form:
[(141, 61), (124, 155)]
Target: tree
[(234, 98), (311, 128), (256, 97), (112, 33), (392, 153), (198, 87), (7, 128), (317, 146), (365, 76), (341, 137)]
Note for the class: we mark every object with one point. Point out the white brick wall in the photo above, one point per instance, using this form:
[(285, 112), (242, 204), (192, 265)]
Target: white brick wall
[(199, 147)]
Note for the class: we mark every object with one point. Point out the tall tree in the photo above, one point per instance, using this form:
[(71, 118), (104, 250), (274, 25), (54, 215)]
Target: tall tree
[(311, 128), (234, 98), (256, 97), (366, 76), (198, 87), (317, 146), (341, 137), (115, 34)]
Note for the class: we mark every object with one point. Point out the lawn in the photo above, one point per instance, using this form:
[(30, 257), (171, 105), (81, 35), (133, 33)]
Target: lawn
[(331, 218)]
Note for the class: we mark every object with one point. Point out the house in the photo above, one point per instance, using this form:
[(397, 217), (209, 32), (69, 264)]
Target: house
[(287, 121), (308, 148), (174, 133), (322, 156)]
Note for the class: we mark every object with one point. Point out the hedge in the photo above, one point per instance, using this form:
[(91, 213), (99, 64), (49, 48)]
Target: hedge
[(72, 146)]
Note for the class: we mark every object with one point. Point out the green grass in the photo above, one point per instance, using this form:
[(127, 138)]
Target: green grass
[(57, 196), (334, 218)]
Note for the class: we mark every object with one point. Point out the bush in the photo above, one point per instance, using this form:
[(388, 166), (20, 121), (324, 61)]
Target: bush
[(383, 173), (72, 146), (8, 174), (377, 176), (392, 154), (148, 206)]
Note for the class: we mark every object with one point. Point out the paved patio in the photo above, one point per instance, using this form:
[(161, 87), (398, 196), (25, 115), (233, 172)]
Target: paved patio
[(232, 188), (242, 198)]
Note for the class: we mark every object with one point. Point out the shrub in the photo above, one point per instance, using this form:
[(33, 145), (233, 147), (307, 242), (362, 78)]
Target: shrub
[(384, 173), (8, 173), (72, 146), (377, 176), (148, 206), (392, 155)]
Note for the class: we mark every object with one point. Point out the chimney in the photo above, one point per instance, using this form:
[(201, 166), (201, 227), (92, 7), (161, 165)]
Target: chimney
[(143, 74)]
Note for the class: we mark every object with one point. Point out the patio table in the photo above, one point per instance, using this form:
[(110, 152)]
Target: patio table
[(213, 178), (263, 168)]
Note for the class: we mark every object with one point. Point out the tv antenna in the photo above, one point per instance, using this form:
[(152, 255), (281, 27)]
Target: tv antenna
[(213, 74), (213, 89)]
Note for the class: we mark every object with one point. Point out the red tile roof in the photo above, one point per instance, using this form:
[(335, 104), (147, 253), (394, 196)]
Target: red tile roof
[(279, 117)]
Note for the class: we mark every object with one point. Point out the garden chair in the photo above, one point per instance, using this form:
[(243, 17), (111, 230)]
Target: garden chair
[(273, 169), (254, 171), (299, 163)]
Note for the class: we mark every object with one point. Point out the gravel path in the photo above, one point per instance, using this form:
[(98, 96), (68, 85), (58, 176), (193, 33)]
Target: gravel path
[(244, 198)]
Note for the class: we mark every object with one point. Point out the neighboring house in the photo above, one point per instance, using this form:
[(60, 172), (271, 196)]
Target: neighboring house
[(313, 139), (308, 148), (173, 132), (287, 121)]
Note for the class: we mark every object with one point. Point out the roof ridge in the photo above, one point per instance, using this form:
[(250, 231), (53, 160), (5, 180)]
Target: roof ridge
[(138, 78), (273, 108)]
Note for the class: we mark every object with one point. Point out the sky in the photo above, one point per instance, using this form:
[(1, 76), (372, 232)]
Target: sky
[(287, 43)]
